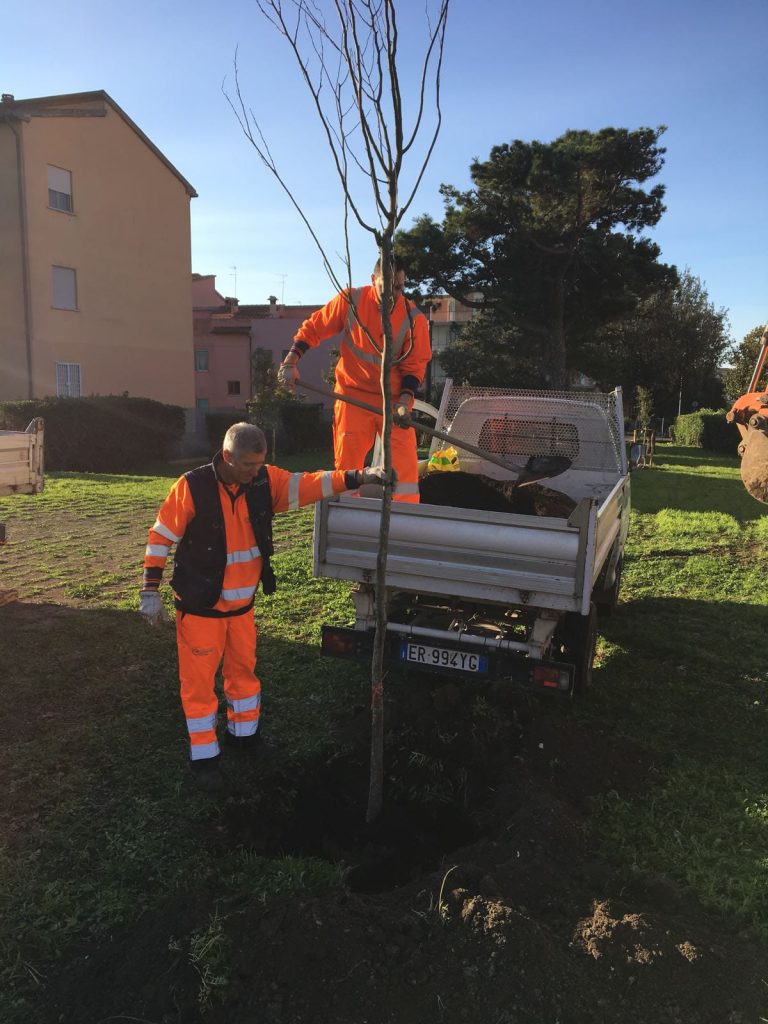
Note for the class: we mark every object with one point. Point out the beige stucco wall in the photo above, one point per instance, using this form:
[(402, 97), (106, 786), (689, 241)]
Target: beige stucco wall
[(13, 349), (128, 239)]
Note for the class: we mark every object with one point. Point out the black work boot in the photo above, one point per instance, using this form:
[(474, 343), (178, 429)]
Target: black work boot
[(207, 774), (254, 745)]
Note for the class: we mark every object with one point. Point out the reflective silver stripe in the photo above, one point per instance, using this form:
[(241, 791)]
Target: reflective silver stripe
[(245, 703), (397, 341), (201, 751), (235, 557), (406, 488), (373, 357), (202, 724), (293, 490), (158, 550), (359, 353), (242, 728), (165, 532), (238, 593), (326, 482)]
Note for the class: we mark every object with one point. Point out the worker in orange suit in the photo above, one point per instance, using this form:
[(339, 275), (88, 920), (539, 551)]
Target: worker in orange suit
[(358, 371), (219, 516)]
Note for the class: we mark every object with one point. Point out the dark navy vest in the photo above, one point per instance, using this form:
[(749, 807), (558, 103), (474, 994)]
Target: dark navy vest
[(201, 554)]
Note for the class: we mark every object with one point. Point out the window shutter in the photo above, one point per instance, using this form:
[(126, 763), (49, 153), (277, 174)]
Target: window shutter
[(64, 288), (60, 180), (68, 380)]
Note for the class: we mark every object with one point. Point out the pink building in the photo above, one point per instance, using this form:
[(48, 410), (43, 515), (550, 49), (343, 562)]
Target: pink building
[(222, 344), (225, 336)]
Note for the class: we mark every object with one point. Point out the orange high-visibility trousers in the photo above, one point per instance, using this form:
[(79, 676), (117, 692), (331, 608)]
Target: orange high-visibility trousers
[(354, 432), (202, 643)]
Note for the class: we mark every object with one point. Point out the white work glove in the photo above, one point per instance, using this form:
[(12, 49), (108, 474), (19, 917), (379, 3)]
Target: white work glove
[(288, 374), (151, 607), (403, 409), (377, 475)]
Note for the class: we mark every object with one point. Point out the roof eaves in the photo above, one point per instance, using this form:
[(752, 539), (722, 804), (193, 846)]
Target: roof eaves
[(100, 94)]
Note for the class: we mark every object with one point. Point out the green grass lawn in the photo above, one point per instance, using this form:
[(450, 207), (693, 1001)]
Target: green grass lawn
[(683, 672), (98, 818)]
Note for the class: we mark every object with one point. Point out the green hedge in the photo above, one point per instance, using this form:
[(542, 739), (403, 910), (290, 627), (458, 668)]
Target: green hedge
[(218, 423), (102, 434), (708, 429), (300, 428)]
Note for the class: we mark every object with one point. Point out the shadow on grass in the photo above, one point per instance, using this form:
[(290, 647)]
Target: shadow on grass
[(661, 487), (687, 678)]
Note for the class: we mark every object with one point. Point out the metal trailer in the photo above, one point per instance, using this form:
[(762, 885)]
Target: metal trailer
[(476, 594)]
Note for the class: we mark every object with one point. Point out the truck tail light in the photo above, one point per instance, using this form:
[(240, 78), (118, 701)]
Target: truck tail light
[(338, 645), (551, 677)]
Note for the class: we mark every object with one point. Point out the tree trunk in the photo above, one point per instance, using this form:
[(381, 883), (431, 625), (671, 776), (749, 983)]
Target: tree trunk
[(558, 368), (376, 782)]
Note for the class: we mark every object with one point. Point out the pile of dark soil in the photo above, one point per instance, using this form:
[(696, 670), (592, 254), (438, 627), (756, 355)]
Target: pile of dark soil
[(470, 490), (476, 897)]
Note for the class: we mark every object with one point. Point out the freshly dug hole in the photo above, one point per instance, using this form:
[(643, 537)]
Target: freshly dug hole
[(447, 750)]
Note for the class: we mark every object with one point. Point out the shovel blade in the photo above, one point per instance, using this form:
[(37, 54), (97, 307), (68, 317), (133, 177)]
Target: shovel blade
[(541, 467), (754, 464)]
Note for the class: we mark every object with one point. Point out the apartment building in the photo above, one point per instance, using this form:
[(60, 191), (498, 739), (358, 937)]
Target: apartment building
[(94, 255), (447, 317)]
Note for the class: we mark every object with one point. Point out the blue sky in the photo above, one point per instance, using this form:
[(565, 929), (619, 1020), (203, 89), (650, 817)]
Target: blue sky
[(511, 70)]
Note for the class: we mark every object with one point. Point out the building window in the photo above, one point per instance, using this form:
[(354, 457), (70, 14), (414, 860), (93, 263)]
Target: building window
[(201, 359), (233, 387), (68, 380), (59, 189), (64, 288), (202, 404)]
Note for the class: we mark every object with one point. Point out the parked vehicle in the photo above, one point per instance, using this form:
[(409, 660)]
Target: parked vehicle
[(21, 470), (486, 594)]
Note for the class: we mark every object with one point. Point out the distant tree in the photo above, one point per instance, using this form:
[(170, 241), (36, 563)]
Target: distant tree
[(549, 237), (743, 359), (268, 395), (489, 353), (643, 406), (672, 345)]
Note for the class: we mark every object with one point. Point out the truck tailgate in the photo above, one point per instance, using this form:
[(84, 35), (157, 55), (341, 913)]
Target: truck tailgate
[(489, 557), (21, 460)]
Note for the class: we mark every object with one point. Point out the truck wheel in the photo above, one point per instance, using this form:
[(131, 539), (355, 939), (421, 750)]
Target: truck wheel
[(607, 600), (576, 637)]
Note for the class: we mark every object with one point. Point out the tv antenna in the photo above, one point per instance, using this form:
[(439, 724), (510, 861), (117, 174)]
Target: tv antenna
[(282, 287), (234, 274)]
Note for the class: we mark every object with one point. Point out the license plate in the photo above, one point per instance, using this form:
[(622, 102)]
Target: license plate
[(442, 657)]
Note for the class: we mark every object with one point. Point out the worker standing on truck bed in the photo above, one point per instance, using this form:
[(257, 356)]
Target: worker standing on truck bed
[(220, 518), (357, 312)]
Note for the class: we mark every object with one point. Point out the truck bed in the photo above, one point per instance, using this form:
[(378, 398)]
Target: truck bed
[(21, 460), (489, 557)]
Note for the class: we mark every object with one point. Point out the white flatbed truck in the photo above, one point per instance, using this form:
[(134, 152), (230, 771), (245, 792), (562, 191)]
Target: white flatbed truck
[(495, 595)]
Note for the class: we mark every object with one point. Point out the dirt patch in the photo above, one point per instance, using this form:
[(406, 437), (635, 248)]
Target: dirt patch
[(470, 490), (477, 896)]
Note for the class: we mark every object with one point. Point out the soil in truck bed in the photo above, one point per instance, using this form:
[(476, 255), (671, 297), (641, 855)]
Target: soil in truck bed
[(470, 490)]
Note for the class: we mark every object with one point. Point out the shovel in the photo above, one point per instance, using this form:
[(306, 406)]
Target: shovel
[(537, 467)]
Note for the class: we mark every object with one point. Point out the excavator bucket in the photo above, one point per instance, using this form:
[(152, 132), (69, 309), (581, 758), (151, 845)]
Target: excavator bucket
[(754, 460)]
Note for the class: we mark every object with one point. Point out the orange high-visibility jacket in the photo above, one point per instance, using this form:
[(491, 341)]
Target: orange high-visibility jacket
[(359, 365), (243, 570)]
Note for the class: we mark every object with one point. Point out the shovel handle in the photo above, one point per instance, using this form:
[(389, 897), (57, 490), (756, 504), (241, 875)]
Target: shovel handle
[(521, 471)]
